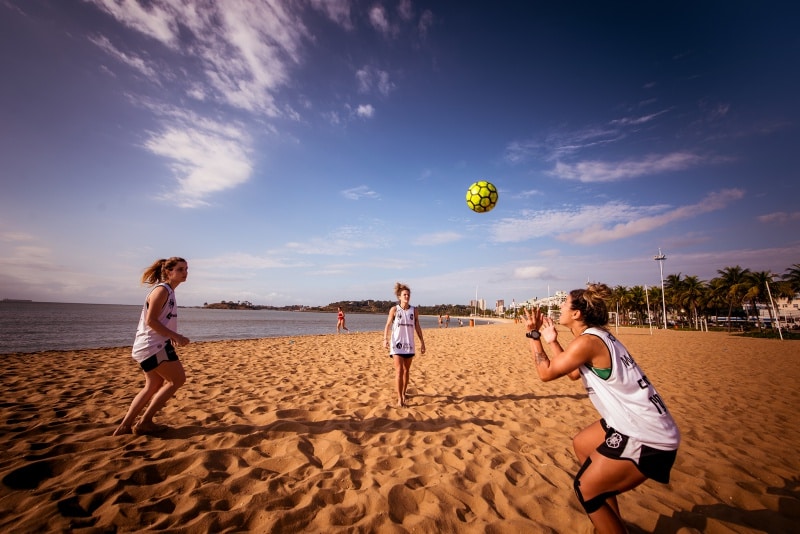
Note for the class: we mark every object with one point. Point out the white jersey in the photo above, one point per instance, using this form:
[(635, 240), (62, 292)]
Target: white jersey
[(403, 329), (148, 341), (627, 400)]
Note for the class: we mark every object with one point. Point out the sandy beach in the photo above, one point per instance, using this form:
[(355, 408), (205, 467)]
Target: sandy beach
[(301, 434)]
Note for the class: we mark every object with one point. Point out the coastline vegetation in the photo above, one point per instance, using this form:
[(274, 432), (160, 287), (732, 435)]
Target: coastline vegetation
[(734, 296), (730, 300), (349, 306)]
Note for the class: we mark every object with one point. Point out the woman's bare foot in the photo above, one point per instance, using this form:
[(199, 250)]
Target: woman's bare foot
[(122, 430)]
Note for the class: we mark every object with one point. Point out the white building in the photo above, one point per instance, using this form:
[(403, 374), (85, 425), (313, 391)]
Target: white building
[(547, 302), (551, 303), (787, 311), (479, 304)]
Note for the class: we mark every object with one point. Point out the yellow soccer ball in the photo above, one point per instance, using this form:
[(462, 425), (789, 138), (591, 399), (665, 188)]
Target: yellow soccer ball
[(482, 196)]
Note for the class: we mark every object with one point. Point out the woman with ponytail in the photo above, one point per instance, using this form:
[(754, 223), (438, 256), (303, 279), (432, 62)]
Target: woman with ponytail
[(636, 437), (154, 346)]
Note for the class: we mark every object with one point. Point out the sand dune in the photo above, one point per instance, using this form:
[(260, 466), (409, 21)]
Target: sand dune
[(301, 434)]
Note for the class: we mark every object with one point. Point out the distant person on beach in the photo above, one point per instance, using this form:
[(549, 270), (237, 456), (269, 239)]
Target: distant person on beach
[(340, 322), (636, 437), (402, 322), (153, 347), (447, 321)]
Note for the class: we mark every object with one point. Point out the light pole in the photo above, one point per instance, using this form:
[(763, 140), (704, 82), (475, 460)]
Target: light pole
[(660, 259)]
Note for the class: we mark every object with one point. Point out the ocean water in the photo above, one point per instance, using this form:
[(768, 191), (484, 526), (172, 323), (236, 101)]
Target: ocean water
[(39, 326)]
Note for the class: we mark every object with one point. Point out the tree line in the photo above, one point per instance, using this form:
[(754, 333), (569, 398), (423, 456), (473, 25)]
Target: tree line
[(735, 293), (349, 306), (383, 306)]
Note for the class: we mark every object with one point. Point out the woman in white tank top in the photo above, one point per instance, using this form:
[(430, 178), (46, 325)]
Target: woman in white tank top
[(636, 437), (402, 322), (153, 347)]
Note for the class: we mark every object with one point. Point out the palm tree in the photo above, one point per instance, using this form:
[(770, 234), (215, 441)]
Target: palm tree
[(792, 276), (735, 283), (619, 299), (654, 294), (757, 293), (716, 301), (692, 293), (637, 302), (672, 290)]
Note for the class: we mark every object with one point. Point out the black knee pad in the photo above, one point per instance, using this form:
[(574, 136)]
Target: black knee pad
[(594, 504)]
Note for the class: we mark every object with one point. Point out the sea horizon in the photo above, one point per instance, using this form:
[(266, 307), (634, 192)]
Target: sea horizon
[(28, 326)]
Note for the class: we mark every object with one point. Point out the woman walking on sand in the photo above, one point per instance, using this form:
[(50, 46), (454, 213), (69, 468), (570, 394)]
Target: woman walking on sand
[(340, 322), (402, 323), (636, 437), (153, 346)]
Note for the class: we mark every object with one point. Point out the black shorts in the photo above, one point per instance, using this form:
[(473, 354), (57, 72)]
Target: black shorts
[(653, 463), (406, 356), (166, 354)]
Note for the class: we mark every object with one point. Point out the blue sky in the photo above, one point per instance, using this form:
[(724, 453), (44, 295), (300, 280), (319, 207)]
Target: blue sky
[(314, 151)]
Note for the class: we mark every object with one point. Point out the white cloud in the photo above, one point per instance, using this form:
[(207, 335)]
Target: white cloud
[(365, 111), (532, 273), (333, 118), (438, 238), (593, 224), (379, 20), (779, 217), (336, 10), (242, 261), (343, 241), (246, 49), (197, 92), (132, 60), (425, 23), (636, 121), (31, 269), (31, 257), (206, 157), (563, 143), (560, 144), (362, 191), (550, 253), (22, 253), (364, 80), (604, 171), (405, 9), (715, 111), (370, 78), (15, 237), (157, 20), (597, 234)]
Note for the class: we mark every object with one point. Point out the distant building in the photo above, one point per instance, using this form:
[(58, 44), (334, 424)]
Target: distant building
[(500, 307), (545, 302), (552, 303), (787, 309), (479, 304)]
